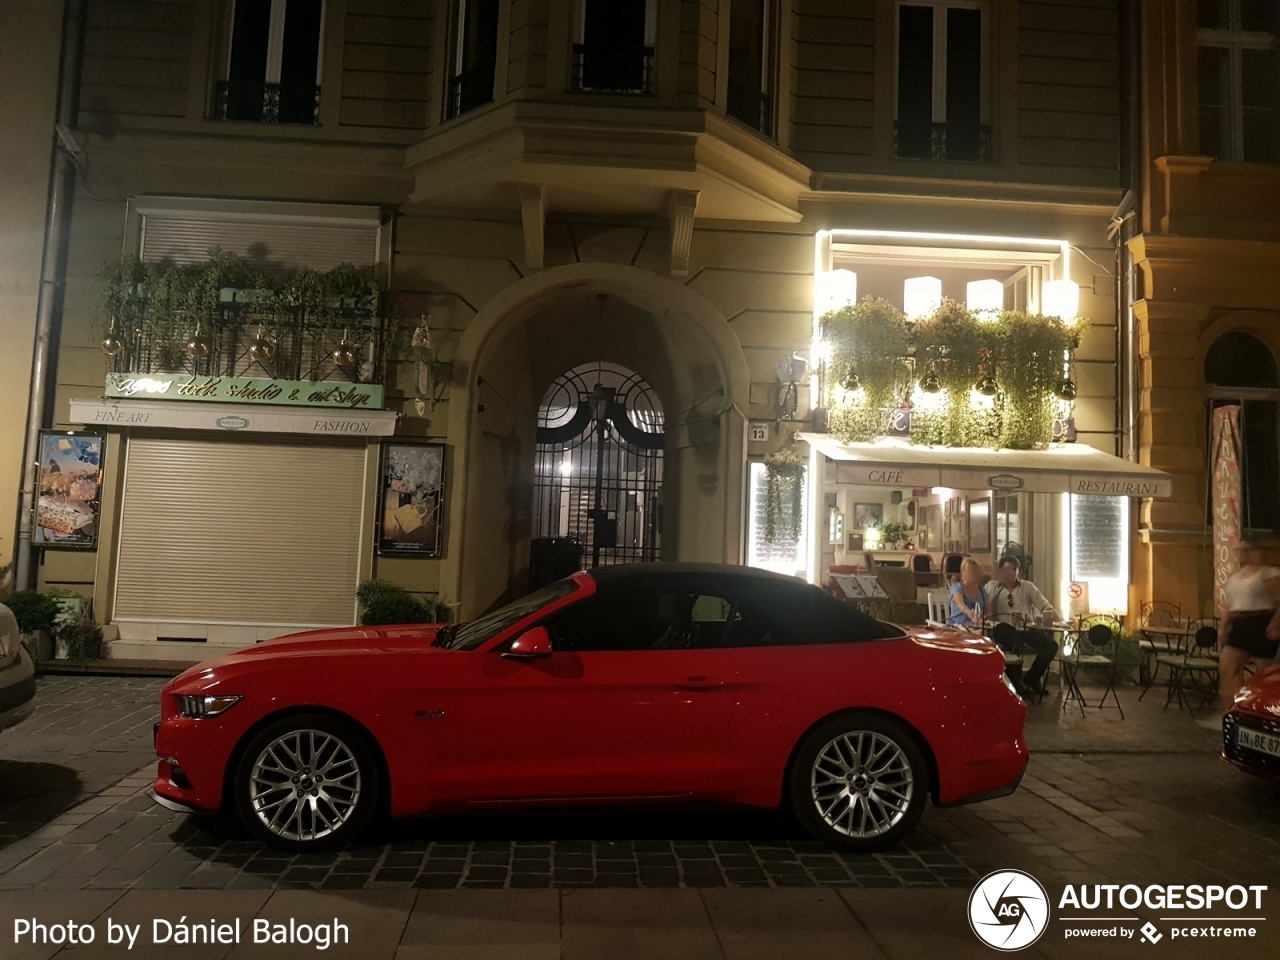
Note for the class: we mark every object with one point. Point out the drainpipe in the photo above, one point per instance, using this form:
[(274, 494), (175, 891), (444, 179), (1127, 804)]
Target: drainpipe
[(1131, 225), (52, 273)]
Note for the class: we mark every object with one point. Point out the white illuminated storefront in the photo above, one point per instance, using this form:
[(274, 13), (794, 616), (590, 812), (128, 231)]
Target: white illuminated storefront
[(1064, 511)]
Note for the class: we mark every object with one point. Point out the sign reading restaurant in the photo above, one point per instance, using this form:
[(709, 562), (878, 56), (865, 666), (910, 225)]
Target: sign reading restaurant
[(294, 393)]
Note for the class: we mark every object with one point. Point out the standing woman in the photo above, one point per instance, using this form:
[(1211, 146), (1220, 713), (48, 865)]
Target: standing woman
[(968, 606), (1250, 622)]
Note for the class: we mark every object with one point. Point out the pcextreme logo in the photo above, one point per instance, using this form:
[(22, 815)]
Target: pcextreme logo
[(1008, 910)]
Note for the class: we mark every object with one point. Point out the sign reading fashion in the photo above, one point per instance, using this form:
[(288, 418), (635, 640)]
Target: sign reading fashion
[(295, 393)]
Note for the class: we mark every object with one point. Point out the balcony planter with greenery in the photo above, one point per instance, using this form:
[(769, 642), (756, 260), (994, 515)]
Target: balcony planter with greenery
[(880, 363)]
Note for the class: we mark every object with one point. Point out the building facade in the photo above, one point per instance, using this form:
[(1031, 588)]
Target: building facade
[(630, 208), (1207, 250)]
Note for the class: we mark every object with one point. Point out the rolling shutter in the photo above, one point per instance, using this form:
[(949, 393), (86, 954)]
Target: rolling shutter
[(282, 243), (253, 530)]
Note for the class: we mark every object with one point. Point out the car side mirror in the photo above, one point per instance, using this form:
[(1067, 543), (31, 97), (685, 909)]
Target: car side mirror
[(533, 644)]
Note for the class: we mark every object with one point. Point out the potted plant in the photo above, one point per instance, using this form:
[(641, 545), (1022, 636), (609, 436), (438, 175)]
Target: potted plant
[(79, 641), (385, 602), (35, 613)]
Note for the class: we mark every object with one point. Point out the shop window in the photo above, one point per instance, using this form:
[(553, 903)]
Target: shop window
[(941, 83), (1242, 370), (273, 62), (474, 48), (614, 52), (752, 46), (1239, 80)]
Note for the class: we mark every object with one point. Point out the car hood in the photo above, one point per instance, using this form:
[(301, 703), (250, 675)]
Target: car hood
[(334, 642)]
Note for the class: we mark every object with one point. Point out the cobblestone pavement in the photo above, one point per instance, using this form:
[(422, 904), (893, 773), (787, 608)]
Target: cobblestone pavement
[(85, 735), (1104, 800)]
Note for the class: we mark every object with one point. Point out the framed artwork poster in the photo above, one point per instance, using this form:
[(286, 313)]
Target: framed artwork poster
[(70, 503), (868, 515), (411, 500), (980, 525)]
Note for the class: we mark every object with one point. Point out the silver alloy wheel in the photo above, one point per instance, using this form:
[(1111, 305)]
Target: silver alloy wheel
[(304, 785), (862, 784)]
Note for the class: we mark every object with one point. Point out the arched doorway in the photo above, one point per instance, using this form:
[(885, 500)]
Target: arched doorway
[(1241, 371), (597, 477), (521, 343)]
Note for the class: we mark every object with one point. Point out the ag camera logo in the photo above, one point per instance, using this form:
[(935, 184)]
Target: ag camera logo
[(1008, 910)]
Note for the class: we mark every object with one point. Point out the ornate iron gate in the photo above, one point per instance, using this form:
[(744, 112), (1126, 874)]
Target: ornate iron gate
[(597, 472)]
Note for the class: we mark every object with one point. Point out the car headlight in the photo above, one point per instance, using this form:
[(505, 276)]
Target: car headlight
[(199, 708), (1004, 678)]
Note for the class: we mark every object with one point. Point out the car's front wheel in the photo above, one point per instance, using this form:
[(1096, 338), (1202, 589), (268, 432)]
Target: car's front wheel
[(307, 782), (859, 782)]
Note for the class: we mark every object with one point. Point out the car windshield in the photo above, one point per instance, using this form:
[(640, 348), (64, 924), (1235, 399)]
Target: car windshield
[(469, 636)]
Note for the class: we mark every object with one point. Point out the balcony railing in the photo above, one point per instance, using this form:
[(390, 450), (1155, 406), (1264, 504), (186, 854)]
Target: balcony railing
[(268, 102), (752, 107), (470, 89), (950, 142), (300, 346), (612, 68)]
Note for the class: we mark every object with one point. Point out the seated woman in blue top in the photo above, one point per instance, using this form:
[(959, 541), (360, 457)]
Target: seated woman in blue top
[(968, 606)]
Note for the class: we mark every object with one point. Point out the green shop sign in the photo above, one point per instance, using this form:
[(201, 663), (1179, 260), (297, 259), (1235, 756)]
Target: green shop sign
[(290, 393)]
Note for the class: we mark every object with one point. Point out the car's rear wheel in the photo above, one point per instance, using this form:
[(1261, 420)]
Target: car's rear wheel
[(859, 782), (307, 782)]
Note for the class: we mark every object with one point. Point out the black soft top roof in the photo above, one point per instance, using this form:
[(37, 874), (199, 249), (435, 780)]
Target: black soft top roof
[(623, 571)]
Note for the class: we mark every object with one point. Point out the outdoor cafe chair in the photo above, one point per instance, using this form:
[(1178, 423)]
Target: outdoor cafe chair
[(1095, 646), (1157, 616), (1197, 663)]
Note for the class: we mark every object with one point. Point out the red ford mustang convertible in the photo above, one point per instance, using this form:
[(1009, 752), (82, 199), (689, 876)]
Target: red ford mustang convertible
[(653, 684)]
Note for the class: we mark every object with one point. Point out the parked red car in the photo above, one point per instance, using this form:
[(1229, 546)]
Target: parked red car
[(654, 683), (1251, 729)]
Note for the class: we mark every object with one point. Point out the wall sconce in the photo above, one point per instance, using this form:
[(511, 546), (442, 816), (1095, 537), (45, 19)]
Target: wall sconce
[(984, 297), (790, 372), (1060, 298), (836, 289), (921, 296)]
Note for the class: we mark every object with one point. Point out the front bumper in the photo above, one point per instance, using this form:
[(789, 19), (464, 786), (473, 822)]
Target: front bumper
[(1250, 761)]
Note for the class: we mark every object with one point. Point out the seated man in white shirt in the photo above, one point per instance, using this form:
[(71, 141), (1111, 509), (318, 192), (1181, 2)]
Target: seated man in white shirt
[(1016, 606)]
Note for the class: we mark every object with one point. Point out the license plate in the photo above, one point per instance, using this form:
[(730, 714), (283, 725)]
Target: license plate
[(1257, 740)]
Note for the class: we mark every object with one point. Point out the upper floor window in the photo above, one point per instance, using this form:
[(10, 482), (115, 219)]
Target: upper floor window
[(1240, 79), (941, 82), (614, 52), (273, 62), (474, 55), (752, 45)]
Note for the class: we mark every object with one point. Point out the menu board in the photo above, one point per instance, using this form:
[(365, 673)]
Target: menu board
[(1097, 538)]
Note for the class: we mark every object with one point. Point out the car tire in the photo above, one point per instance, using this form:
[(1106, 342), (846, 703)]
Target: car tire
[(859, 782), (308, 781)]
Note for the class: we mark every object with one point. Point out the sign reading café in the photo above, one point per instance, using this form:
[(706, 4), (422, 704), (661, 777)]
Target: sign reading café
[(299, 393)]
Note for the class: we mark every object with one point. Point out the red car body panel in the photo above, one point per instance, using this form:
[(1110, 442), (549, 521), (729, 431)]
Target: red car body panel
[(1257, 707), (471, 729)]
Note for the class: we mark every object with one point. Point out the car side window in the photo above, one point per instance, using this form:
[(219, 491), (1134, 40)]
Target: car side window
[(641, 620), (755, 625)]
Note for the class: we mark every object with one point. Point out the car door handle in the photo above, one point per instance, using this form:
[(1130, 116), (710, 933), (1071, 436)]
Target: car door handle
[(698, 683)]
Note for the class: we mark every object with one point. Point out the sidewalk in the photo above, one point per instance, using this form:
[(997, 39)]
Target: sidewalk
[(588, 925)]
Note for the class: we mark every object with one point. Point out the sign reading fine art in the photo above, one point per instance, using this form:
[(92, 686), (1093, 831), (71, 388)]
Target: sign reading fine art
[(293, 393), (1225, 465)]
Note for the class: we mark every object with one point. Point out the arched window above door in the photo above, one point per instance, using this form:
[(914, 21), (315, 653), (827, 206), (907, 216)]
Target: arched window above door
[(1239, 359), (1241, 371)]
